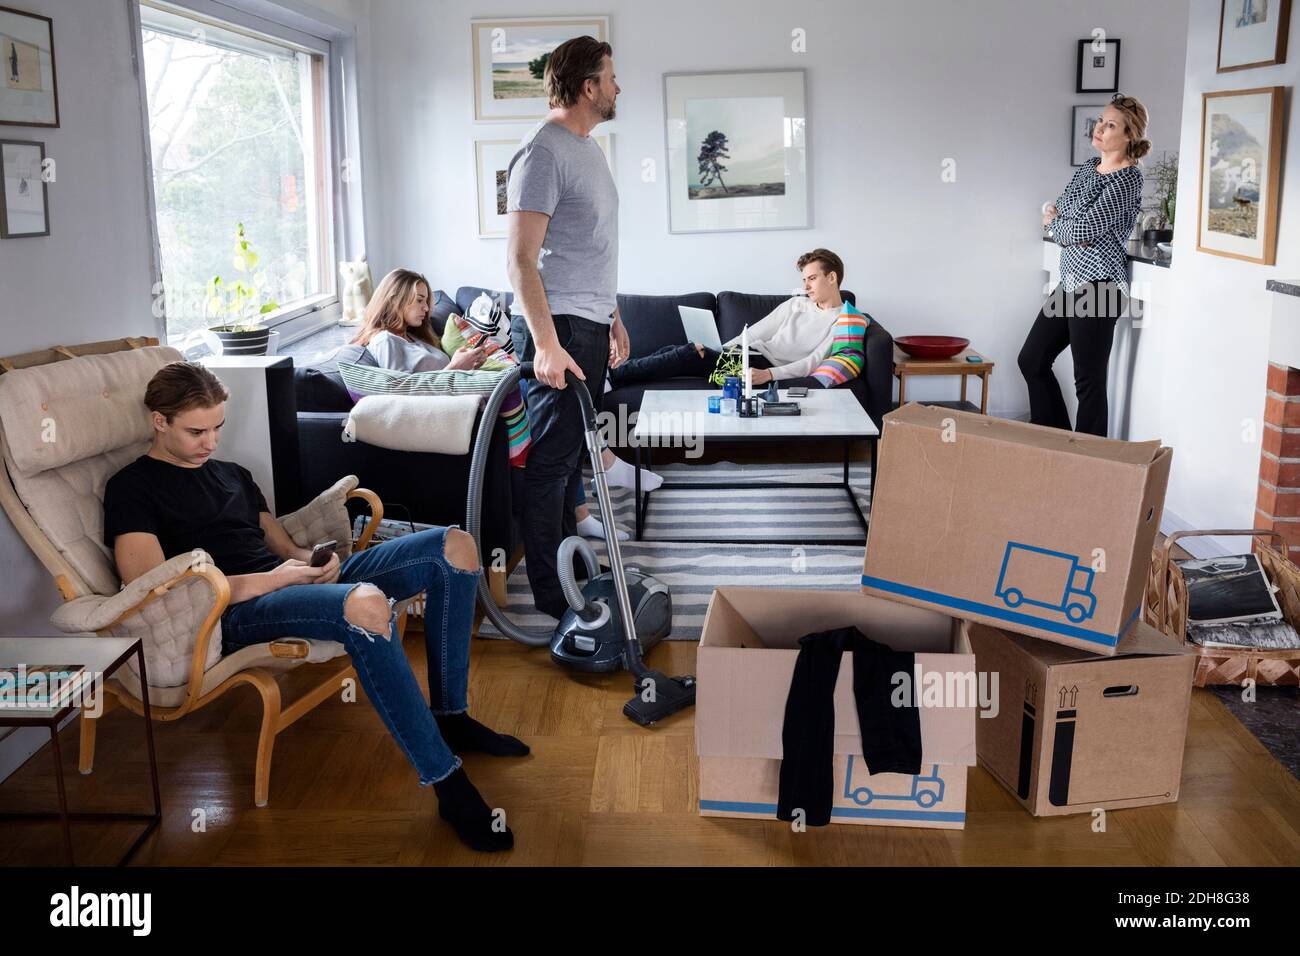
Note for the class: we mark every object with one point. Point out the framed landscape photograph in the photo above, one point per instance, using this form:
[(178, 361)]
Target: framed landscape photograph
[(28, 92), (1241, 147), (737, 151), (1083, 120), (25, 198), (510, 58), (1252, 33), (1098, 69), (491, 161)]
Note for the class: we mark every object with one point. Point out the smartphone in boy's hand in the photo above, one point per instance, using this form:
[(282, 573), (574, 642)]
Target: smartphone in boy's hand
[(320, 555)]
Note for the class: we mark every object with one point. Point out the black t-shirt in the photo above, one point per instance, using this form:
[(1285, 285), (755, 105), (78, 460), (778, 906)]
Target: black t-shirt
[(214, 507)]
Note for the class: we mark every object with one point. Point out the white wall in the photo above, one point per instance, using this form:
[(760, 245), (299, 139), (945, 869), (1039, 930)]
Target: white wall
[(893, 89), (1202, 365), (90, 279)]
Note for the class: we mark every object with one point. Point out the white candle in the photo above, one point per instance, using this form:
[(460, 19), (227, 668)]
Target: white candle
[(744, 361)]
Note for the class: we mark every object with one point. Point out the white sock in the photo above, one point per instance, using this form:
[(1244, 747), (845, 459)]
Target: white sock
[(622, 475), (591, 527)]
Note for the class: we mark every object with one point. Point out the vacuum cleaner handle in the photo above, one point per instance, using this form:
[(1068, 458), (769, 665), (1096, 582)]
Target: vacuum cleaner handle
[(527, 371)]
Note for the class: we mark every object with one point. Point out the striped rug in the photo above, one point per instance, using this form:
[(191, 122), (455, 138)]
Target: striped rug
[(692, 571)]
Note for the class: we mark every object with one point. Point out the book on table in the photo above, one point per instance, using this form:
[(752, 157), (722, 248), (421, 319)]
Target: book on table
[(40, 686)]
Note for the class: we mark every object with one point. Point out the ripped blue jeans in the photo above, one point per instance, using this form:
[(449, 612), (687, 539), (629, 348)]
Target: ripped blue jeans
[(401, 568)]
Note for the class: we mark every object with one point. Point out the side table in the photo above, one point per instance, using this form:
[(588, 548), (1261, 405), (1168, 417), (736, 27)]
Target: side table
[(905, 365), (100, 657)]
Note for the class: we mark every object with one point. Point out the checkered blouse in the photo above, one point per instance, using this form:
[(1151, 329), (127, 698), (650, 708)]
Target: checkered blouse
[(1095, 215)]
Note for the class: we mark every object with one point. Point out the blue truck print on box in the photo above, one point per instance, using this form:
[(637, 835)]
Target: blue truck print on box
[(927, 789), (1067, 588)]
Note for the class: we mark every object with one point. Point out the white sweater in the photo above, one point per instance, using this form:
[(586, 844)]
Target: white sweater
[(402, 355), (794, 337)]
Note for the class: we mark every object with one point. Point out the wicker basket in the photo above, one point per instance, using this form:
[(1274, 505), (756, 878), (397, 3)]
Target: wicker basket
[(1165, 608)]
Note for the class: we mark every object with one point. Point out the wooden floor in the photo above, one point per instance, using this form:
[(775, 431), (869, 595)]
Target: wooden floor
[(597, 789)]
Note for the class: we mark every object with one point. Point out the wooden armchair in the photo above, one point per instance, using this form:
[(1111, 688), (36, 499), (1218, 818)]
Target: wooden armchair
[(67, 424)]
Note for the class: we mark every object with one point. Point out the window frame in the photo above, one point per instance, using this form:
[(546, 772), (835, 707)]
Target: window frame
[(338, 179)]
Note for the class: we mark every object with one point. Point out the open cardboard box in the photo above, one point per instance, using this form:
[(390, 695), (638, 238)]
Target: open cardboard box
[(1076, 731), (747, 654), (1032, 529)]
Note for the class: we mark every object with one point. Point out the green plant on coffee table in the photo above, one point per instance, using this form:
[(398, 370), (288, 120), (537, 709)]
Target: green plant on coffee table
[(238, 302), (1163, 175)]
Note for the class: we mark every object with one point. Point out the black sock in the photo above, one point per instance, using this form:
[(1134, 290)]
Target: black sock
[(464, 734), (461, 805)]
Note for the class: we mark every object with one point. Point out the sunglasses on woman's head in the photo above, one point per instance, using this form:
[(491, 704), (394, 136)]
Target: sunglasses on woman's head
[(1122, 100)]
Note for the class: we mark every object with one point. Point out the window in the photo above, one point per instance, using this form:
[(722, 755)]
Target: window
[(237, 129)]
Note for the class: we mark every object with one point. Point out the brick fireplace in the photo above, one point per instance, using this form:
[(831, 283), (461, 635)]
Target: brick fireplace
[(1277, 504)]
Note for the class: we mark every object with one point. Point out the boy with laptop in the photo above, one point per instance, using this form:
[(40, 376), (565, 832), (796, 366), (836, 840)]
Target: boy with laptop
[(792, 339)]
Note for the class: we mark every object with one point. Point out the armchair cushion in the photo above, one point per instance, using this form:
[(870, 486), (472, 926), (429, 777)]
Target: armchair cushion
[(168, 625), (324, 518)]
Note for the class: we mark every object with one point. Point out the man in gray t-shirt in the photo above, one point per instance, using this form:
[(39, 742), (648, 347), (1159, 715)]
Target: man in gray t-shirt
[(562, 260)]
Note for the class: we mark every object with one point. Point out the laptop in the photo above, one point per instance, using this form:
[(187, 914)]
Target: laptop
[(701, 327)]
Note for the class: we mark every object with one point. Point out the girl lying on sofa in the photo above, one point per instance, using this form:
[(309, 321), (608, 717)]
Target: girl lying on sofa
[(397, 333)]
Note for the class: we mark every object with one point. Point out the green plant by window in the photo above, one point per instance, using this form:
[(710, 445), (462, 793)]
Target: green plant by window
[(238, 302)]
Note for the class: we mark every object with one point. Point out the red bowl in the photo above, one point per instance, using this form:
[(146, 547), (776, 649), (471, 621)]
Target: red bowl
[(931, 346)]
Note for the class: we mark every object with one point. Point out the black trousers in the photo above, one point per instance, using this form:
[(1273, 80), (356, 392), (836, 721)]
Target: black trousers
[(553, 478), (671, 361), (1084, 320)]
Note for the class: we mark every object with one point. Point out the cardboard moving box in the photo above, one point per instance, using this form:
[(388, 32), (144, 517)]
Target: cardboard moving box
[(747, 654), (1077, 731), (1032, 529)]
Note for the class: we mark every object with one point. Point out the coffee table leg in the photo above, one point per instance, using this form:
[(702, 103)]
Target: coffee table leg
[(636, 493), (63, 793), (148, 731)]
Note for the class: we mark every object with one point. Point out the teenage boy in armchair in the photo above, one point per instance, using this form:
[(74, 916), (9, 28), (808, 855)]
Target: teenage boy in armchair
[(176, 498)]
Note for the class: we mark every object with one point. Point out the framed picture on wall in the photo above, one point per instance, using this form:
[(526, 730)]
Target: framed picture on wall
[(737, 151), (1252, 33), (510, 58), (491, 161), (28, 92), (1098, 68), (1083, 119), (1241, 148), (25, 198)]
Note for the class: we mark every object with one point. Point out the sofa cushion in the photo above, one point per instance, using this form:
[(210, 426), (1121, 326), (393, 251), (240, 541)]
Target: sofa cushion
[(466, 295), (738, 309), (652, 321), (443, 305), (319, 387)]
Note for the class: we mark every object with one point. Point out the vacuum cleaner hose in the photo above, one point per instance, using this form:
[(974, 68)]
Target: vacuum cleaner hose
[(533, 637), (564, 561)]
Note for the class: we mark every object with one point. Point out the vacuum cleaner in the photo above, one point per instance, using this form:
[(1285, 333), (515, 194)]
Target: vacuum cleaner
[(620, 614)]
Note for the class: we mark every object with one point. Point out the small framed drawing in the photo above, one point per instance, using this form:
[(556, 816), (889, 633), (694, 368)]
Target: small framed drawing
[(492, 160), (1098, 67), (25, 198), (737, 151), (510, 59), (1252, 33), (1241, 148), (28, 93), (1083, 120)]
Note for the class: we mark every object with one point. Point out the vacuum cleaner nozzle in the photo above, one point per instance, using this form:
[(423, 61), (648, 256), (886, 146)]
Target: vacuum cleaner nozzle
[(659, 696)]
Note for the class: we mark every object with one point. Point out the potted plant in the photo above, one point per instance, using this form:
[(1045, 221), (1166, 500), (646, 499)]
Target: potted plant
[(1163, 175), (242, 332)]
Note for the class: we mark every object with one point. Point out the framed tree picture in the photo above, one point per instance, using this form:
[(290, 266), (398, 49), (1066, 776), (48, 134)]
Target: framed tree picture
[(25, 197), (510, 60), (28, 91), (1241, 148), (491, 162), (737, 151), (1098, 67), (1083, 119), (1252, 33)]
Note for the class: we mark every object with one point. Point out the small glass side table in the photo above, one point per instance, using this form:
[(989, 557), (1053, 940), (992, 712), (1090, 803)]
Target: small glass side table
[(100, 657)]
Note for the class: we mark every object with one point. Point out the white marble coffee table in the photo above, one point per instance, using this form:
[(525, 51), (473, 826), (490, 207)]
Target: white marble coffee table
[(673, 419)]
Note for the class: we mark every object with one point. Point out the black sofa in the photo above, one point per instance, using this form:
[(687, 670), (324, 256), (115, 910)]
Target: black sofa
[(652, 321), (417, 486)]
